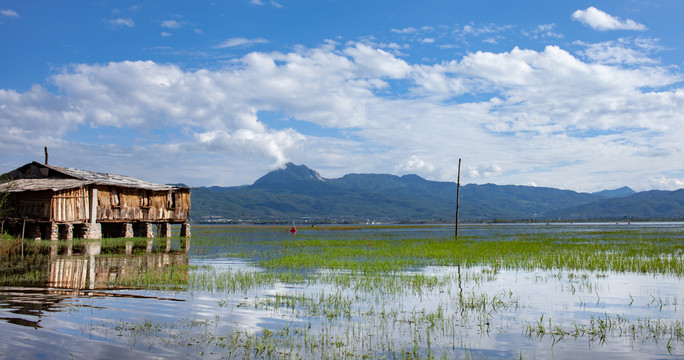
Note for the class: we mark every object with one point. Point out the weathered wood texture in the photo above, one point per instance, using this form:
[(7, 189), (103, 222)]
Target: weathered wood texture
[(127, 204), (71, 205), (50, 202)]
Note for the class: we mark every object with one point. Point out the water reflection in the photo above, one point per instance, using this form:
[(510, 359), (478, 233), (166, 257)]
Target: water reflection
[(86, 300), (90, 265), (97, 270), (44, 279)]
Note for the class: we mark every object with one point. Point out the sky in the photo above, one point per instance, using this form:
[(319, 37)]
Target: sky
[(579, 95)]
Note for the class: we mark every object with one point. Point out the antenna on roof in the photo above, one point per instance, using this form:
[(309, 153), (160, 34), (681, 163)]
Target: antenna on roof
[(46, 156)]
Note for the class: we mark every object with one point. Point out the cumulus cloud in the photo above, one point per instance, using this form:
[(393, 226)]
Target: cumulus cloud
[(35, 117), (414, 163), (667, 183), (521, 116), (599, 20), (484, 171)]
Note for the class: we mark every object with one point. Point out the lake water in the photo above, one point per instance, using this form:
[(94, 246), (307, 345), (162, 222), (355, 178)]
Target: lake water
[(227, 306)]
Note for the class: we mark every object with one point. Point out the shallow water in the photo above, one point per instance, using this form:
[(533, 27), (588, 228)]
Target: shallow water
[(433, 311)]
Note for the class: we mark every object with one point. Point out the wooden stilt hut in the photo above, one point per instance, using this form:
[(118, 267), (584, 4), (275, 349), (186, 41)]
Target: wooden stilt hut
[(52, 202)]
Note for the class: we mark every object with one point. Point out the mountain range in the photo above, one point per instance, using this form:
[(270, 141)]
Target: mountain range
[(297, 192)]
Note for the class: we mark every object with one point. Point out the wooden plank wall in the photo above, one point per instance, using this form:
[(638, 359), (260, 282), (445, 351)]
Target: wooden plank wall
[(128, 204), (71, 205)]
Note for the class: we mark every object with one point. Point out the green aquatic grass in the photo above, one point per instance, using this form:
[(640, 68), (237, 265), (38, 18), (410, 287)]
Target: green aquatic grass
[(359, 294), (618, 251)]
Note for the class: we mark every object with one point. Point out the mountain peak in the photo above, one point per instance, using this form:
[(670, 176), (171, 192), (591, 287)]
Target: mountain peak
[(289, 174), (616, 193)]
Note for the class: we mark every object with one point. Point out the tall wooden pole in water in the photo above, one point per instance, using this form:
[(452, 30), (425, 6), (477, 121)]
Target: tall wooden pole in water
[(458, 189)]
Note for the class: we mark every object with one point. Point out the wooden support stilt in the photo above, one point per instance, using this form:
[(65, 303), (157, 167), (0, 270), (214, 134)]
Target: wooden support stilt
[(458, 189)]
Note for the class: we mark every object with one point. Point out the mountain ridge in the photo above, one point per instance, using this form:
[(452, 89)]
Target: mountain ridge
[(296, 191)]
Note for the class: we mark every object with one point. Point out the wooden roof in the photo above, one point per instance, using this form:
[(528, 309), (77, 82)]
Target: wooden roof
[(37, 177)]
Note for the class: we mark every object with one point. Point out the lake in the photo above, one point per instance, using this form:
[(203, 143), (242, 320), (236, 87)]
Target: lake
[(563, 291)]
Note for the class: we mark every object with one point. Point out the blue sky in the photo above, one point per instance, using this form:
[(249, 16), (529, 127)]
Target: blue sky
[(581, 95)]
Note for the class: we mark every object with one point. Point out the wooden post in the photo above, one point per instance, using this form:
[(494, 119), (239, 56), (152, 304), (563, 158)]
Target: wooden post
[(458, 189)]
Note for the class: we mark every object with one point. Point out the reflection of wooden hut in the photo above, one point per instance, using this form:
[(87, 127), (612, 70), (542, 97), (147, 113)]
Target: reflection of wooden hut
[(92, 270), (52, 202)]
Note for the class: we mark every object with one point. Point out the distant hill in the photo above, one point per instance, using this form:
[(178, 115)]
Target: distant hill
[(647, 205), (297, 192), (621, 192)]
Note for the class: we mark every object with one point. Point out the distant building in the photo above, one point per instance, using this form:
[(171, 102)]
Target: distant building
[(52, 202)]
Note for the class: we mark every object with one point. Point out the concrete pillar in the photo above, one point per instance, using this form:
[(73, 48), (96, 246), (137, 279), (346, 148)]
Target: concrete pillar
[(93, 248), (185, 230), (53, 249), (149, 246), (93, 206), (70, 246), (127, 230), (129, 247), (165, 230), (54, 231), (91, 231), (168, 245)]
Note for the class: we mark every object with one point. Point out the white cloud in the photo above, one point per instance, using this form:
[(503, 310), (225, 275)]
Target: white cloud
[(667, 183), (9, 12), (622, 51), (165, 34), (414, 163), (514, 117), (118, 22), (377, 63), (543, 31), (484, 171), (171, 24), (599, 20), (36, 117), (407, 30), (239, 41), (477, 30)]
